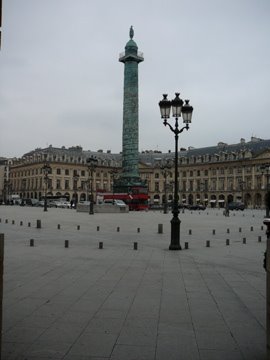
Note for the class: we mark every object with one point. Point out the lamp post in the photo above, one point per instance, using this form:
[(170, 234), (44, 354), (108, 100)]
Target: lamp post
[(242, 184), (92, 164), (165, 167), (113, 174), (46, 171), (76, 177), (265, 169), (178, 109)]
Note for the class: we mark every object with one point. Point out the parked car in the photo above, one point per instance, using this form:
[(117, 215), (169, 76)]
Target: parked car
[(29, 202), (60, 204), (155, 207), (183, 206), (40, 203), (63, 204), (196, 207), (236, 206)]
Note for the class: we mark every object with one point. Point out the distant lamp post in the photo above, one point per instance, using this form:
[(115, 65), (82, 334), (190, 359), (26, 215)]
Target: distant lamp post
[(265, 169), (242, 188), (178, 108), (113, 174), (92, 164), (46, 169), (165, 167), (76, 177)]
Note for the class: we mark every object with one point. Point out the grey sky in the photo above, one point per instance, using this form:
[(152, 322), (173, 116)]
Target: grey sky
[(61, 82)]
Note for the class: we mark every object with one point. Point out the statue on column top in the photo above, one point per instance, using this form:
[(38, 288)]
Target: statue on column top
[(131, 32)]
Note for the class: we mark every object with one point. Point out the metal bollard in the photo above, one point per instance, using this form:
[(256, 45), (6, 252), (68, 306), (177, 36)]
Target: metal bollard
[(259, 239), (29, 224), (135, 246), (160, 228), (6, 221), (78, 227), (13, 222), (118, 229), (227, 242), (228, 231), (240, 229), (251, 228), (38, 224), (32, 242), (207, 243), (66, 243), (214, 232), (21, 223), (98, 228), (100, 245), (186, 245), (138, 230), (58, 226), (244, 240), (189, 232)]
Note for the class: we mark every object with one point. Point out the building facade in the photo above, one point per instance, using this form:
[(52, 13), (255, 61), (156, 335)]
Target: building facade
[(212, 176)]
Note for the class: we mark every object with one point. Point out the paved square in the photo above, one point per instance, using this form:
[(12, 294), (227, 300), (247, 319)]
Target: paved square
[(116, 303)]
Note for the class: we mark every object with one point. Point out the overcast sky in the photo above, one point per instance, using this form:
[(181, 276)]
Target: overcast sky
[(61, 82)]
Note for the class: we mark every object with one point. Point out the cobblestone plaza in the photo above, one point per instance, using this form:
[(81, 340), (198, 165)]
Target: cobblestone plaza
[(83, 302)]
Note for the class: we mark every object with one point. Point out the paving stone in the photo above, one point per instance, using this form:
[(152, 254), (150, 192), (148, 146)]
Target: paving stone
[(94, 344), (124, 352)]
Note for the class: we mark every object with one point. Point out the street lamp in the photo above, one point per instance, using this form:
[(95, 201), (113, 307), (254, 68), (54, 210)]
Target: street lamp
[(265, 169), (76, 177), (178, 109), (46, 171), (113, 174), (165, 167), (242, 184), (92, 164)]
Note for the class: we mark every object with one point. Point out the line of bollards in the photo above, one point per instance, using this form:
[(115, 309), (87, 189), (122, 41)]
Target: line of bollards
[(100, 244), (160, 227)]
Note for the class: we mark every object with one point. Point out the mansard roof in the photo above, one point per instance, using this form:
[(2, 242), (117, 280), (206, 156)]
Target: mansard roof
[(253, 148)]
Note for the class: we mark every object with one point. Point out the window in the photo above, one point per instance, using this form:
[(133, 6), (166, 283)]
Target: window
[(58, 171), (184, 186), (198, 173), (156, 186), (205, 172), (221, 184), (58, 184), (83, 173), (66, 171), (156, 175), (191, 173), (66, 184)]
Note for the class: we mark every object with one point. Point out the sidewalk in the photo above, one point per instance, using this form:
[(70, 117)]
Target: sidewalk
[(117, 303)]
